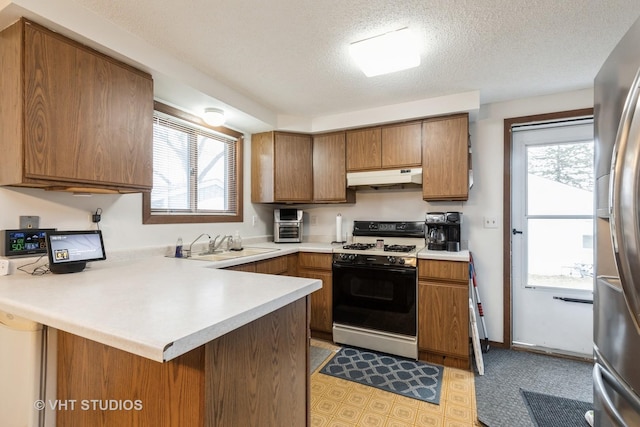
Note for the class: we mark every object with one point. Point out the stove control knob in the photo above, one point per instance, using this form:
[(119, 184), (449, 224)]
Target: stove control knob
[(351, 257), (401, 261), (391, 259)]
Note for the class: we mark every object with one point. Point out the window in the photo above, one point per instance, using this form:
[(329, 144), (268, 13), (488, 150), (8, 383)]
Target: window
[(555, 195), (197, 171)]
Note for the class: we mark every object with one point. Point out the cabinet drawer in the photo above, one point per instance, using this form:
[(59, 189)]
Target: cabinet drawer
[(277, 265), (315, 260), (449, 270)]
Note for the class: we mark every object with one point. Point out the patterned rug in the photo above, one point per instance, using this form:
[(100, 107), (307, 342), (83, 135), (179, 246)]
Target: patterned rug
[(406, 377), (553, 411)]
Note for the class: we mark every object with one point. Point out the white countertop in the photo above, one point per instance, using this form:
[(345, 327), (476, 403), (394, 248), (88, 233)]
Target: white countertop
[(158, 307), (444, 255)]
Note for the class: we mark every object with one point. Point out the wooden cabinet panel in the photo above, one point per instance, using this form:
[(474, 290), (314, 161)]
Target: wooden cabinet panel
[(445, 158), (364, 149), (329, 168), (249, 267), (230, 381), (87, 118), (285, 265), (281, 167), (443, 312), (262, 173), (448, 270), (402, 145), (444, 318), (293, 167), (321, 300), (315, 260), (318, 266), (277, 265)]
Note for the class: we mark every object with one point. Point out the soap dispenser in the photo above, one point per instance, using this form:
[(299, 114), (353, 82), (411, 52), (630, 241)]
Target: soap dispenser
[(237, 242)]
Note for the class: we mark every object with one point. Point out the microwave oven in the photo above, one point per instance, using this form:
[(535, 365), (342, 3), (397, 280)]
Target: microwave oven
[(287, 225)]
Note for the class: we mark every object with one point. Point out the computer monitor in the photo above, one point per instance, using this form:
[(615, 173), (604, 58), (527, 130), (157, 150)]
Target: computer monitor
[(69, 251)]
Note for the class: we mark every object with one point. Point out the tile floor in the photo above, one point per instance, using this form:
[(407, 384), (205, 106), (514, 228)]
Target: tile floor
[(337, 403)]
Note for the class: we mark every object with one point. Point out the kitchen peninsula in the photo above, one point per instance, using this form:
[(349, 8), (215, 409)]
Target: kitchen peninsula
[(190, 345)]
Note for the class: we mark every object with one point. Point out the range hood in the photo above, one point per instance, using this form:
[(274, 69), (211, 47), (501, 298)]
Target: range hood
[(385, 177)]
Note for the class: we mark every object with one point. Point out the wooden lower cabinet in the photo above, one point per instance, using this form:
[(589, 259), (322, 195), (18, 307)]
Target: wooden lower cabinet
[(443, 313), (231, 381), (284, 265), (318, 266)]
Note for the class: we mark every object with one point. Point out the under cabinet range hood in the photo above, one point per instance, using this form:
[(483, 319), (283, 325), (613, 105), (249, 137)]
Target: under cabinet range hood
[(384, 178)]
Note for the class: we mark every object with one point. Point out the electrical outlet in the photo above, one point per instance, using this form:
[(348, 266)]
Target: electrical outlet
[(314, 219), (254, 220), (4, 267), (490, 222)]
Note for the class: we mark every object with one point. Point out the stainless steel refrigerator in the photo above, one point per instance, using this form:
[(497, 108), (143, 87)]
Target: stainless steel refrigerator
[(616, 373)]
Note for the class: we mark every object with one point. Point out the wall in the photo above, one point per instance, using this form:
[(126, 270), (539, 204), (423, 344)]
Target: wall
[(123, 228), (485, 197), (122, 215)]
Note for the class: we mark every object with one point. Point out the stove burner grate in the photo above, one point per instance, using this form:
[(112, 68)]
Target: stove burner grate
[(399, 248), (359, 246)]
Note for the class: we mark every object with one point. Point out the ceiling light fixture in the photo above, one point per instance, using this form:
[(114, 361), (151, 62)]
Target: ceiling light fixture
[(387, 53), (214, 116)]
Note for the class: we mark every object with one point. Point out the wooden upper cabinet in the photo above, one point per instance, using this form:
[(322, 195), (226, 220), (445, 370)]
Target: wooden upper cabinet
[(72, 118), (445, 158), (281, 167), (386, 147), (329, 168), (402, 145), (364, 150)]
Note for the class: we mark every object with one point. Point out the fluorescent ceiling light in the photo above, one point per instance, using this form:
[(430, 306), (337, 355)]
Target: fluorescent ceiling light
[(386, 53), (213, 116)]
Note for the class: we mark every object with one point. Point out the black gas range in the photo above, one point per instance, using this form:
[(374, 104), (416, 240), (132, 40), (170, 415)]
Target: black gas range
[(383, 243), (375, 287)]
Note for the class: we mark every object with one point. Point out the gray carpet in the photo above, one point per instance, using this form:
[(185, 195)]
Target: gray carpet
[(318, 355), (552, 411), (498, 396)]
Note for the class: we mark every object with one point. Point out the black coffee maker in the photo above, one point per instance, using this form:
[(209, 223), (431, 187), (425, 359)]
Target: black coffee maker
[(442, 232)]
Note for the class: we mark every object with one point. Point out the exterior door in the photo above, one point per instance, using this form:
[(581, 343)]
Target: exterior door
[(552, 236)]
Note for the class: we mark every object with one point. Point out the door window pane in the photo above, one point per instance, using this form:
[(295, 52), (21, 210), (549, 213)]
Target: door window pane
[(560, 179), (560, 253)]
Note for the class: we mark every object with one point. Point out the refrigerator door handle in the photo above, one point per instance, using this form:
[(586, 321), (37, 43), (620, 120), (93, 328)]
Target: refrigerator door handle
[(623, 203), (600, 376)]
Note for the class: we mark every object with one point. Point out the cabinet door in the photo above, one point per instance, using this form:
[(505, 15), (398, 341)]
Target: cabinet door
[(329, 167), (402, 145), (293, 168), (443, 318), (88, 118), (445, 158), (363, 149), (321, 300), (248, 267), (277, 265)]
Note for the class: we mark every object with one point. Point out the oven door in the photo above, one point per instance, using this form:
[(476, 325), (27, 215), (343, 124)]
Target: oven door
[(380, 298)]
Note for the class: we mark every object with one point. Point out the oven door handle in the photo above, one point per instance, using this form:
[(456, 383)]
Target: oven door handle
[(407, 271)]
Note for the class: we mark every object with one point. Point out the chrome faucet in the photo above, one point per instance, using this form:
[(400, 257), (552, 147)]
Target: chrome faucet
[(213, 246), (196, 239)]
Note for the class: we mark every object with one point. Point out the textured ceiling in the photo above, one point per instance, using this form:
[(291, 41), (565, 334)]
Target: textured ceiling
[(292, 55)]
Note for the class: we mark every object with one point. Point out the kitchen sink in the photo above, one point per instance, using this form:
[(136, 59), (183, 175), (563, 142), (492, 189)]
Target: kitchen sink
[(226, 255)]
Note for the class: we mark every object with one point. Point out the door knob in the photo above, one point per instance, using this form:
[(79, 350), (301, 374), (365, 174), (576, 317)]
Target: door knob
[(514, 231)]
